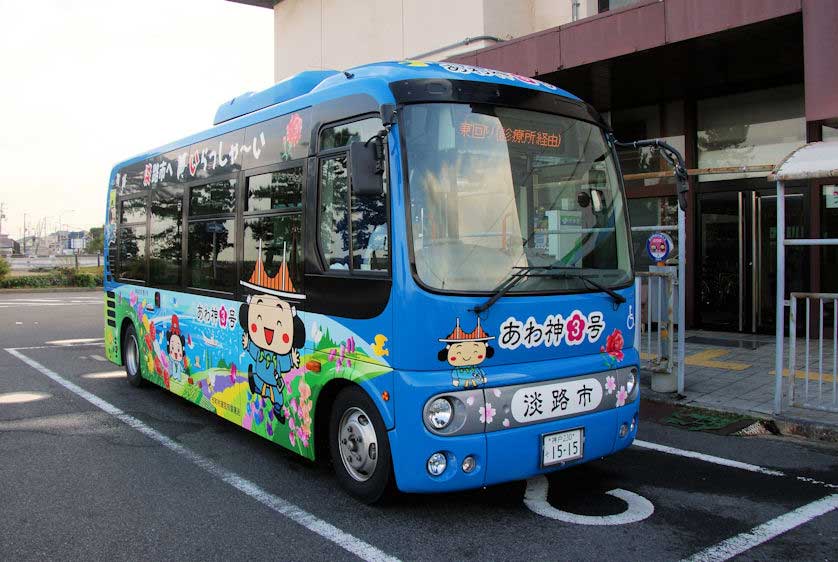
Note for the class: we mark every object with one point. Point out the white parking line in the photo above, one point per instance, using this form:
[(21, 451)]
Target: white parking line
[(637, 509), (281, 506), (706, 458), (53, 346), (76, 341), (733, 546)]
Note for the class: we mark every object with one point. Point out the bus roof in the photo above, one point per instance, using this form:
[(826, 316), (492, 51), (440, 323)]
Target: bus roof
[(311, 87)]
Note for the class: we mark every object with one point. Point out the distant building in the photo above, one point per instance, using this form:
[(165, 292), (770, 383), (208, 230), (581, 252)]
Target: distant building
[(7, 245), (76, 241)]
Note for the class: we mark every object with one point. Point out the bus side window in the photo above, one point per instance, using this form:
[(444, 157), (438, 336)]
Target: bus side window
[(359, 243), (273, 226), (165, 237), (132, 239), (211, 237), (334, 227)]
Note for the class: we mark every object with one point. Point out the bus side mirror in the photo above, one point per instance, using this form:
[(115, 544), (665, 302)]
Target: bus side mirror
[(366, 167)]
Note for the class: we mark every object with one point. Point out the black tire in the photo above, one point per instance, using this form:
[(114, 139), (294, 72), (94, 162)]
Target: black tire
[(131, 356), (374, 484)]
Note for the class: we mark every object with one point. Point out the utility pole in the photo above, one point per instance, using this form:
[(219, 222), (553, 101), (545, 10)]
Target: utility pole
[(24, 234), (2, 216)]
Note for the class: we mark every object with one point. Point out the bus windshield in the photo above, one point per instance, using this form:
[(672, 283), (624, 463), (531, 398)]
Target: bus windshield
[(494, 188)]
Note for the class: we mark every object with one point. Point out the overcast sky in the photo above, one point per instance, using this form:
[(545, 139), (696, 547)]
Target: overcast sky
[(87, 83)]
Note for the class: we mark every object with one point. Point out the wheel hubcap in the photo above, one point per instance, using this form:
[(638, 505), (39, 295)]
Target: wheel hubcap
[(358, 444), (131, 356)]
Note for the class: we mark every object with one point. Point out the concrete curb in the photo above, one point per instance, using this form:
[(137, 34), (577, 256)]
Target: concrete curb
[(786, 425)]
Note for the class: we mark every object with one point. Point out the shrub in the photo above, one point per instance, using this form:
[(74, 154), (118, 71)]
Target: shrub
[(34, 282), (83, 279), (4, 267)]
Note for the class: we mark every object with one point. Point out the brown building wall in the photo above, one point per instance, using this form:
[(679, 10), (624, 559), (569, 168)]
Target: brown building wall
[(820, 59), (687, 19), (649, 24)]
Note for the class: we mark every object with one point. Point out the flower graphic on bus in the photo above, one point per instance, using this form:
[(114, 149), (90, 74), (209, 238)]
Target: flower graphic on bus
[(273, 333), (293, 136), (613, 348), (465, 352)]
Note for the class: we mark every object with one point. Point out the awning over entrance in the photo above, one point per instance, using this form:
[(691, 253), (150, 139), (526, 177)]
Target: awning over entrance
[(815, 160)]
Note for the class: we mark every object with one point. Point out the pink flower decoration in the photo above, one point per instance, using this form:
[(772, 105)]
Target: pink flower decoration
[(505, 422), (621, 396), (292, 438), (291, 425), (294, 130), (233, 369), (610, 384), (470, 400), (614, 345), (487, 413), (332, 355), (496, 392)]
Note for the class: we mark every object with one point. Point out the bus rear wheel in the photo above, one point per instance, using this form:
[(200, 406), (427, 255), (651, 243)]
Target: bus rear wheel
[(131, 356), (359, 447)]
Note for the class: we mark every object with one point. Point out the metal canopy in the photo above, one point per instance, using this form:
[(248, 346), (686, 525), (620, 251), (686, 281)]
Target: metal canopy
[(814, 160)]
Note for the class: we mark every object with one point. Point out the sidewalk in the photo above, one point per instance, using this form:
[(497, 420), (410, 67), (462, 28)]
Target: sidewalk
[(734, 372)]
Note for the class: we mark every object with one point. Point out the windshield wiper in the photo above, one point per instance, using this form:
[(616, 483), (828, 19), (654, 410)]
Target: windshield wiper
[(618, 298), (520, 273), (556, 272)]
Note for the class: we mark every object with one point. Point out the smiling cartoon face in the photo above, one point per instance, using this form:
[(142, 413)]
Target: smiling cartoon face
[(467, 353), (175, 347), (270, 324)]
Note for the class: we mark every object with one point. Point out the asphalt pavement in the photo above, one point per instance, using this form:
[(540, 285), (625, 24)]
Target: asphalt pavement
[(92, 468)]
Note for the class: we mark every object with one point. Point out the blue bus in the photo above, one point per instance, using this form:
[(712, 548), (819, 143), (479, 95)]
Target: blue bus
[(419, 271)]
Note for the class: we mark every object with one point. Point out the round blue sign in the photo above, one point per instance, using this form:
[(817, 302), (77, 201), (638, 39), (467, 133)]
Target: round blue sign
[(659, 246)]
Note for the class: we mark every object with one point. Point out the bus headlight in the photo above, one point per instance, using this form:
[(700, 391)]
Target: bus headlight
[(631, 380), (440, 413), (437, 463)]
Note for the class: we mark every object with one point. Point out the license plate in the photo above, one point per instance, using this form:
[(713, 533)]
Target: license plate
[(563, 446)]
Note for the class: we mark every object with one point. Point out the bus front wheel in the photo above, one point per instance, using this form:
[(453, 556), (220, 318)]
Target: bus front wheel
[(131, 356), (359, 447)]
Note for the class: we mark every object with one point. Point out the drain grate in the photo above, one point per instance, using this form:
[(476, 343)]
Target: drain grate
[(714, 422)]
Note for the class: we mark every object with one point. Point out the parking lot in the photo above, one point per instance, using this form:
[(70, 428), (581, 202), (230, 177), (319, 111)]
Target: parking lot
[(94, 468)]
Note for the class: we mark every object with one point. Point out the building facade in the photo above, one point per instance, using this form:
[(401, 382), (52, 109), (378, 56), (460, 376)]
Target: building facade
[(734, 84)]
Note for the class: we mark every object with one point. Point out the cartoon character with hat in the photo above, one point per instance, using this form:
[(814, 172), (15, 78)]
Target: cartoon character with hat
[(273, 333), (175, 344), (465, 351)]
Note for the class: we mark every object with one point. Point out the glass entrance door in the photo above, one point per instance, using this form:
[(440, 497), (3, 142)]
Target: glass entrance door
[(737, 258), (765, 266), (720, 263)]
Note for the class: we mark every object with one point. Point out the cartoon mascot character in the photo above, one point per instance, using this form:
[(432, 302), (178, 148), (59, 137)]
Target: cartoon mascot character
[(273, 333), (465, 352), (175, 344)]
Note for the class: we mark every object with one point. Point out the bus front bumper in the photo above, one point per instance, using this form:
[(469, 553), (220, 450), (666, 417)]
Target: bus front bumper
[(505, 455)]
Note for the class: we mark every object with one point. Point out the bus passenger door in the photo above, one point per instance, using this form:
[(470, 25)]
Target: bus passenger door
[(347, 279)]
